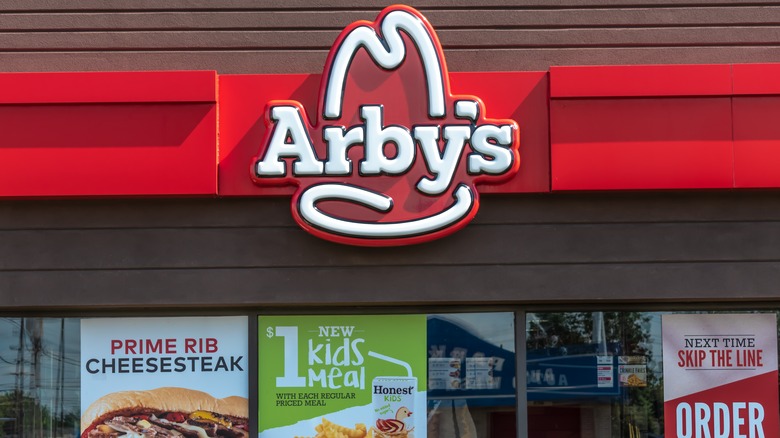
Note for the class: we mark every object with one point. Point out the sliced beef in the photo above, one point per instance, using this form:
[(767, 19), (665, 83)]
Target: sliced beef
[(210, 428), (186, 433), (98, 434), (230, 433)]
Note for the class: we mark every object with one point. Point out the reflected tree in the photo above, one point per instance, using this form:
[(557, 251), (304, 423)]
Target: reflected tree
[(23, 416), (610, 333)]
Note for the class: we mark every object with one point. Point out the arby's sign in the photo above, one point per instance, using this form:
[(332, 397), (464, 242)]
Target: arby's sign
[(720, 375), (390, 157)]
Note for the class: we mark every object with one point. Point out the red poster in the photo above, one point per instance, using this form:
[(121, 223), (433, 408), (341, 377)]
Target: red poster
[(720, 376)]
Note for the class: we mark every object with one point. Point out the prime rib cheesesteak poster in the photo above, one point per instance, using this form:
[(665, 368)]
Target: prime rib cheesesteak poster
[(354, 375), (184, 376), (720, 375)]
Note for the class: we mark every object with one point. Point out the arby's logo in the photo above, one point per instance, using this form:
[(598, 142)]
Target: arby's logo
[(391, 157)]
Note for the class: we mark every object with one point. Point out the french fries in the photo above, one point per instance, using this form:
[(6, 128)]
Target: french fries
[(329, 429)]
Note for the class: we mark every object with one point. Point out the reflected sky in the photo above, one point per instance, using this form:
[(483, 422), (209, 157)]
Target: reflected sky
[(497, 328)]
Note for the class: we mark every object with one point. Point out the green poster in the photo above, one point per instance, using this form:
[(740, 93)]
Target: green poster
[(360, 375)]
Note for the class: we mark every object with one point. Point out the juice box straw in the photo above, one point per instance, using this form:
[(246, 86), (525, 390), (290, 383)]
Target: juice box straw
[(393, 360)]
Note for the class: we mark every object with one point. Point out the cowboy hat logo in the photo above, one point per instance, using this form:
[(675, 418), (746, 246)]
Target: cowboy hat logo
[(392, 157)]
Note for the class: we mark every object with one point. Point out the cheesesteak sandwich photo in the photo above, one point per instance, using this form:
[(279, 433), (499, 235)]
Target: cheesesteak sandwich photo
[(165, 412)]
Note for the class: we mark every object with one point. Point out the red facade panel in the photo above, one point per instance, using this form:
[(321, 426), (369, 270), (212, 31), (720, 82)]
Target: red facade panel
[(581, 128), (108, 134), (641, 127), (756, 142), (640, 80), (756, 79), (114, 87), (640, 143), (756, 107)]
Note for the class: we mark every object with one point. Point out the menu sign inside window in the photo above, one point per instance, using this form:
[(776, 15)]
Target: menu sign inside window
[(720, 375), (158, 376)]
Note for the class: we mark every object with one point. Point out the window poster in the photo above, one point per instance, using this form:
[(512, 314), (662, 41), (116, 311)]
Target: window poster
[(720, 375), (347, 375), (632, 371), (162, 377)]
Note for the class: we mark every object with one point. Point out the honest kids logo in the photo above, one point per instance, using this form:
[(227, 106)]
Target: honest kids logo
[(392, 157)]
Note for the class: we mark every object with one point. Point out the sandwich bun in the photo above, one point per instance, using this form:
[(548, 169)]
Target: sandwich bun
[(166, 399)]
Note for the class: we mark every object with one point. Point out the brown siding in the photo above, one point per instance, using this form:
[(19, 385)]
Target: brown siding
[(521, 249), (244, 36)]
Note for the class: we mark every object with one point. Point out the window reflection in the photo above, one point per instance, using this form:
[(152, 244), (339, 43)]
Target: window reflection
[(39, 377), (594, 374), (471, 375)]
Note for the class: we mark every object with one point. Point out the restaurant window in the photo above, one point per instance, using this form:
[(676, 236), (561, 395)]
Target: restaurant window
[(471, 375), (39, 377), (589, 374), (594, 374)]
